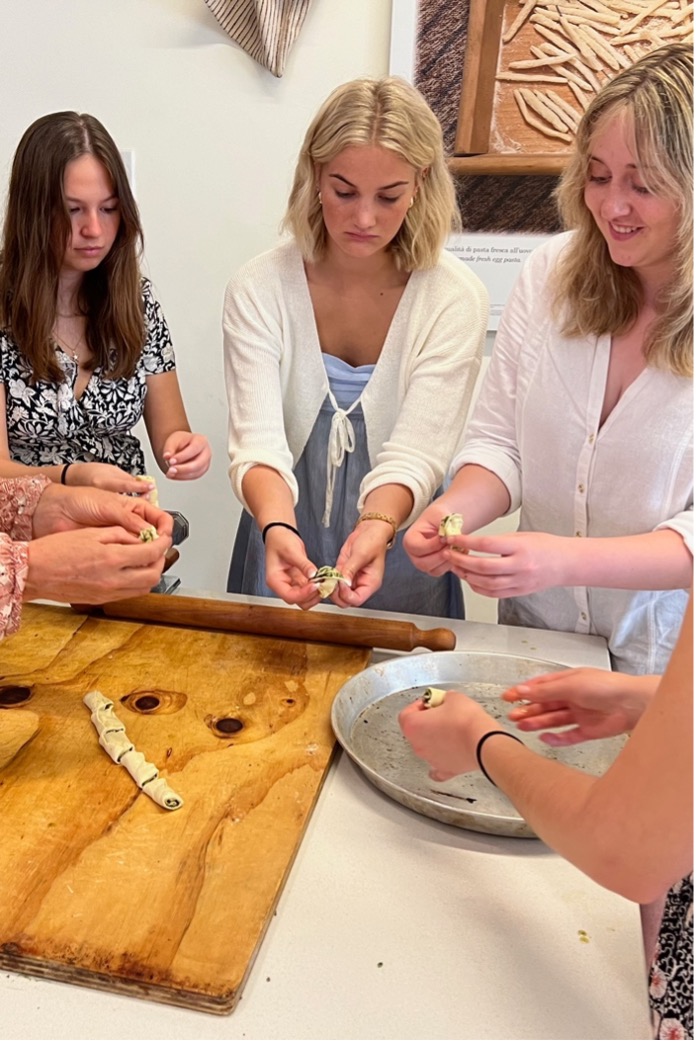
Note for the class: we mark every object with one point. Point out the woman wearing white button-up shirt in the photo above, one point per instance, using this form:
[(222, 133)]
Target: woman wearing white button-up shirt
[(584, 422)]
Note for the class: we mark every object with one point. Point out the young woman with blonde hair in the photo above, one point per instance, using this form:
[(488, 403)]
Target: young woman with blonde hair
[(84, 348), (584, 421), (351, 352)]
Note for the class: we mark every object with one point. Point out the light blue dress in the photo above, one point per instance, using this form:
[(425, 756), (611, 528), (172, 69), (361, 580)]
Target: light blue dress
[(340, 423)]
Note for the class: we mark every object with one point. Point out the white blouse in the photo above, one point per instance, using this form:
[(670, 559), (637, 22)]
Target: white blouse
[(536, 426)]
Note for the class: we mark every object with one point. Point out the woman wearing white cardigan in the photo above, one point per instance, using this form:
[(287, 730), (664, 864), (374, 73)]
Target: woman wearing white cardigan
[(351, 353)]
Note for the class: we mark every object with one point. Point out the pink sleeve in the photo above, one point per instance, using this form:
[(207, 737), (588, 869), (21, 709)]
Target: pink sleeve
[(14, 562), (18, 500)]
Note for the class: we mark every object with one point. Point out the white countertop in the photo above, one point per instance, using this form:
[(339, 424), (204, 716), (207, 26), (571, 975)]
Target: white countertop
[(395, 926)]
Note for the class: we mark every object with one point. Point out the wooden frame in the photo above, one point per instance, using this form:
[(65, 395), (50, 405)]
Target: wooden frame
[(531, 67)]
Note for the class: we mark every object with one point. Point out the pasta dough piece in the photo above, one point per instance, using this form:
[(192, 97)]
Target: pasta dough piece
[(326, 578), (450, 525), (149, 534), (151, 495), (432, 697), (161, 793), (112, 737)]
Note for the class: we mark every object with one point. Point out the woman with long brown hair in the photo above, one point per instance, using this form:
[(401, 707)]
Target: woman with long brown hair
[(85, 351)]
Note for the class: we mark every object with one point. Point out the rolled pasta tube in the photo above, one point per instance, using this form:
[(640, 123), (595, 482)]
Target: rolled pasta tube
[(161, 793), (142, 771), (116, 744), (433, 697), (326, 579), (112, 737), (450, 525)]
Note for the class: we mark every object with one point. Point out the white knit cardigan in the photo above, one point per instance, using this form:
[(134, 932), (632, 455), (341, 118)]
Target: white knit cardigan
[(414, 405)]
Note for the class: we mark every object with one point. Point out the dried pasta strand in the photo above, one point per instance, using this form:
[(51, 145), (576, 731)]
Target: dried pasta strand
[(685, 12), (613, 58), (649, 10), (537, 104), (586, 82), (632, 53), (580, 95), (599, 27), (556, 99), (586, 73), (535, 63), (519, 21), (574, 11), (528, 78), (538, 125), (587, 52), (677, 31), (566, 121), (596, 5)]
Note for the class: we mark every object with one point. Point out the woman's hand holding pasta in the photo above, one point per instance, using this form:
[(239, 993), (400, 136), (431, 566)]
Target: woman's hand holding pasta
[(105, 477), (423, 544), (288, 570), (361, 561)]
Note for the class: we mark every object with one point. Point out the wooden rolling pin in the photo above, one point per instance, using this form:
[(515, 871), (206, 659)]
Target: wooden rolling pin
[(280, 622)]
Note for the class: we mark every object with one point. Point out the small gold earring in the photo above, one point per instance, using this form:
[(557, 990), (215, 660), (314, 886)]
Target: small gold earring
[(413, 200), (319, 198)]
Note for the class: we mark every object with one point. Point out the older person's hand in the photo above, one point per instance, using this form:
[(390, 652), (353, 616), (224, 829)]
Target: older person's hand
[(62, 508), (93, 565)]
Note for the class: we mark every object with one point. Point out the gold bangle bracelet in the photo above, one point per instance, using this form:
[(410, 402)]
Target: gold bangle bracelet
[(367, 516)]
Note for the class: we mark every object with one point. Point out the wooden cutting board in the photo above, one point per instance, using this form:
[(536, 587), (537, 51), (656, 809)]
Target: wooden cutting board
[(98, 885)]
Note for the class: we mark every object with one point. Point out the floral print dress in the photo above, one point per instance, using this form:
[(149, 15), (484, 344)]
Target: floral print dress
[(671, 986), (46, 424)]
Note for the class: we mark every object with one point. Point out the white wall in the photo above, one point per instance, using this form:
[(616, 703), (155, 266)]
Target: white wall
[(215, 139)]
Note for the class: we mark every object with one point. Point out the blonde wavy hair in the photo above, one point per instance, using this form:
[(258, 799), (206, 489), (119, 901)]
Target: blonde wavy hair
[(388, 112), (592, 294)]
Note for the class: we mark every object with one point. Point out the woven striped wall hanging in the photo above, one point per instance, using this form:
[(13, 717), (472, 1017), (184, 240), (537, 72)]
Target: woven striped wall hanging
[(265, 29)]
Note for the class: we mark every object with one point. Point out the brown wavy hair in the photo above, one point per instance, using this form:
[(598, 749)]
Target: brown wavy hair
[(36, 232), (592, 294), (391, 113)]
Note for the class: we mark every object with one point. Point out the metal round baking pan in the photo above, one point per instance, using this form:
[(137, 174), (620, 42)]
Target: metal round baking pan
[(364, 719)]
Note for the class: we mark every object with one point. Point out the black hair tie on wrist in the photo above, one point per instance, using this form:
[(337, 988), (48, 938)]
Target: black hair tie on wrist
[(285, 526), (62, 474), (482, 741)]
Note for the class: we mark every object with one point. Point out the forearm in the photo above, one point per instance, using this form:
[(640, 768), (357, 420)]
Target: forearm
[(477, 495), (386, 502), (268, 496), (632, 828), (163, 413), (15, 469), (657, 561), (391, 499), (577, 815)]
